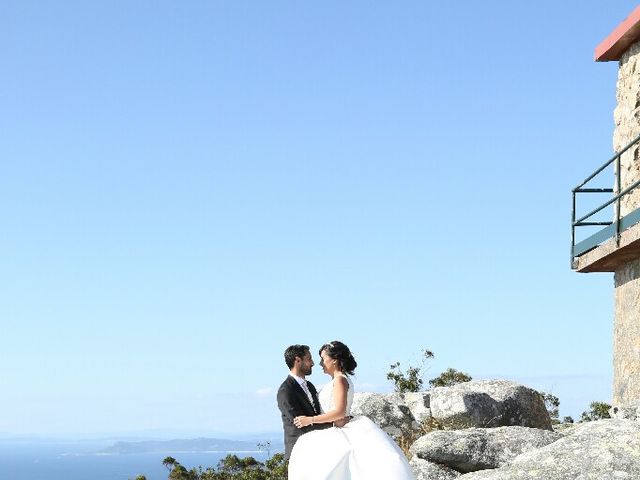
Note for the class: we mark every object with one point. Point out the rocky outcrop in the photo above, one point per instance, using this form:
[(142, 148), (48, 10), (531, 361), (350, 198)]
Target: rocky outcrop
[(480, 448), (481, 404), (488, 403), (600, 450), (500, 430)]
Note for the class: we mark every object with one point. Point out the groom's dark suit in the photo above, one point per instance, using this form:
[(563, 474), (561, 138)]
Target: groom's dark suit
[(293, 402)]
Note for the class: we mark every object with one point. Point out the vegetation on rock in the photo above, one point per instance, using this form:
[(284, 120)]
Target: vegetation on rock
[(449, 377), (552, 404), (411, 380), (597, 411)]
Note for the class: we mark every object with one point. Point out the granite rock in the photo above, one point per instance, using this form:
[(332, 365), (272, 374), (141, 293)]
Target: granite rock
[(424, 470), (391, 412), (601, 450), (488, 403), (475, 449)]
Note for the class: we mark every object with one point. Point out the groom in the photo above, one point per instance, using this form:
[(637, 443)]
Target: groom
[(297, 396)]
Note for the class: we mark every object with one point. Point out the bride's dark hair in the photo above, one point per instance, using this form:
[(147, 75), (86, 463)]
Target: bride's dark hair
[(339, 352)]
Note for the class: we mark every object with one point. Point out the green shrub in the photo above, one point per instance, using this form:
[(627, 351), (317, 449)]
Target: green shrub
[(231, 467), (449, 377), (597, 411), (411, 381), (552, 403)]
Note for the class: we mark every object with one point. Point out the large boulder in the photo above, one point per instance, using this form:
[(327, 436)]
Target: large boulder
[(600, 450), (480, 448), (488, 403), (398, 414), (424, 470)]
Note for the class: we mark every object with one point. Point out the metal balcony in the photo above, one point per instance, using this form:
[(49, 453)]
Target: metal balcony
[(619, 241)]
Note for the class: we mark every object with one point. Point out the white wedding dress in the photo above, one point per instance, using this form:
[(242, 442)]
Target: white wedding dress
[(358, 451)]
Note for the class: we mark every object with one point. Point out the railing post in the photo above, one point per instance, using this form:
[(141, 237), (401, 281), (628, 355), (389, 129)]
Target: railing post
[(618, 190), (573, 226)]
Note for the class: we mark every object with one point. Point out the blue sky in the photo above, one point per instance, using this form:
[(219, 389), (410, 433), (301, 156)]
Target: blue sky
[(189, 187)]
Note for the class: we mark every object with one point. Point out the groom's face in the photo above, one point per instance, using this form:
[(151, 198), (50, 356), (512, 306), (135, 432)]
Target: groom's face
[(306, 364)]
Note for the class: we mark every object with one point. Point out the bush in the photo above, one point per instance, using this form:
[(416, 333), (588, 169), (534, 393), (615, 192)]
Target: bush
[(449, 377), (231, 467), (552, 404), (597, 411), (411, 381)]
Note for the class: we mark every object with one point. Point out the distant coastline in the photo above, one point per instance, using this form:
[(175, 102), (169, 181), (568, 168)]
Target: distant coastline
[(194, 445), (79, 461)]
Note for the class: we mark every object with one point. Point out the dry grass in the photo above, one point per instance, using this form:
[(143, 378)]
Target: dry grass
[(408, 438), (429, 425)]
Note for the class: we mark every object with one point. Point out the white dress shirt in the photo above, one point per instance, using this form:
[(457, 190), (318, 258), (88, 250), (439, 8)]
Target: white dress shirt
[(303, 383)]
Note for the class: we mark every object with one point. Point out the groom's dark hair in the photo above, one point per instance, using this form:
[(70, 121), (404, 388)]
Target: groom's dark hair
[(294, 351)]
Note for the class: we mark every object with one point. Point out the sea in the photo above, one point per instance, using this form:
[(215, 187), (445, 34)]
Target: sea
[(79, 461)]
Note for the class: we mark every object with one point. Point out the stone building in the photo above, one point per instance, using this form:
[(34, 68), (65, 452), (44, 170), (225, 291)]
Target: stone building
[(616, 247)]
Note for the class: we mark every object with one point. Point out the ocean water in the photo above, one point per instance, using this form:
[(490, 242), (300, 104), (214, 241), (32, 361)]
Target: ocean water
[(78, 461)]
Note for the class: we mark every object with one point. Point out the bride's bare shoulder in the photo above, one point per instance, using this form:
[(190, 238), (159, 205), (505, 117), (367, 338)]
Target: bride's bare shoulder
[(343, 380)]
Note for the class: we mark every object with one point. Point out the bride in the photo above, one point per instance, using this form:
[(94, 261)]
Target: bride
[(358, 451)]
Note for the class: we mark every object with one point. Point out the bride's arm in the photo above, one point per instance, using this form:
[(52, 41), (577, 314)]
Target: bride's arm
[(340, 387)]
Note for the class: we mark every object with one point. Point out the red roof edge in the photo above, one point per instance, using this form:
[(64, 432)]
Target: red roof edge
[(618, 41)]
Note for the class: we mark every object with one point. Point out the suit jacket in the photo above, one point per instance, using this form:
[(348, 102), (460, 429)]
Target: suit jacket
[(293, 402)]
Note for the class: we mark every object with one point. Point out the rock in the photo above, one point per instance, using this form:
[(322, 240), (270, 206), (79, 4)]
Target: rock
[(480, 448), (600, 450), (488, 403), (565, 428), (394, 413), (424, 470), (418, 404), (628, 412)]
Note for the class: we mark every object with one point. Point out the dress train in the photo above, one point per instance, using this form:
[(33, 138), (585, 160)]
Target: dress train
[(358, 451)]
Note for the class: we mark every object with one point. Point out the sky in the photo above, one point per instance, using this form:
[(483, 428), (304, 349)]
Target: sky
[(186, 188)]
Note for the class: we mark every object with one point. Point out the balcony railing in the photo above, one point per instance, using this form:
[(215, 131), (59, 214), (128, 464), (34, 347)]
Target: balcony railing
[(612, 228)]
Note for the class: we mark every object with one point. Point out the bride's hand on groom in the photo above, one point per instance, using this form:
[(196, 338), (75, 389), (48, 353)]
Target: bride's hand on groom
[(303, 421), (341, 422)]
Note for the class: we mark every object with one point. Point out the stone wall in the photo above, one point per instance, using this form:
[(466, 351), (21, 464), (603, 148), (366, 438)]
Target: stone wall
[(627, 123), (626, 332), (626, 335)]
